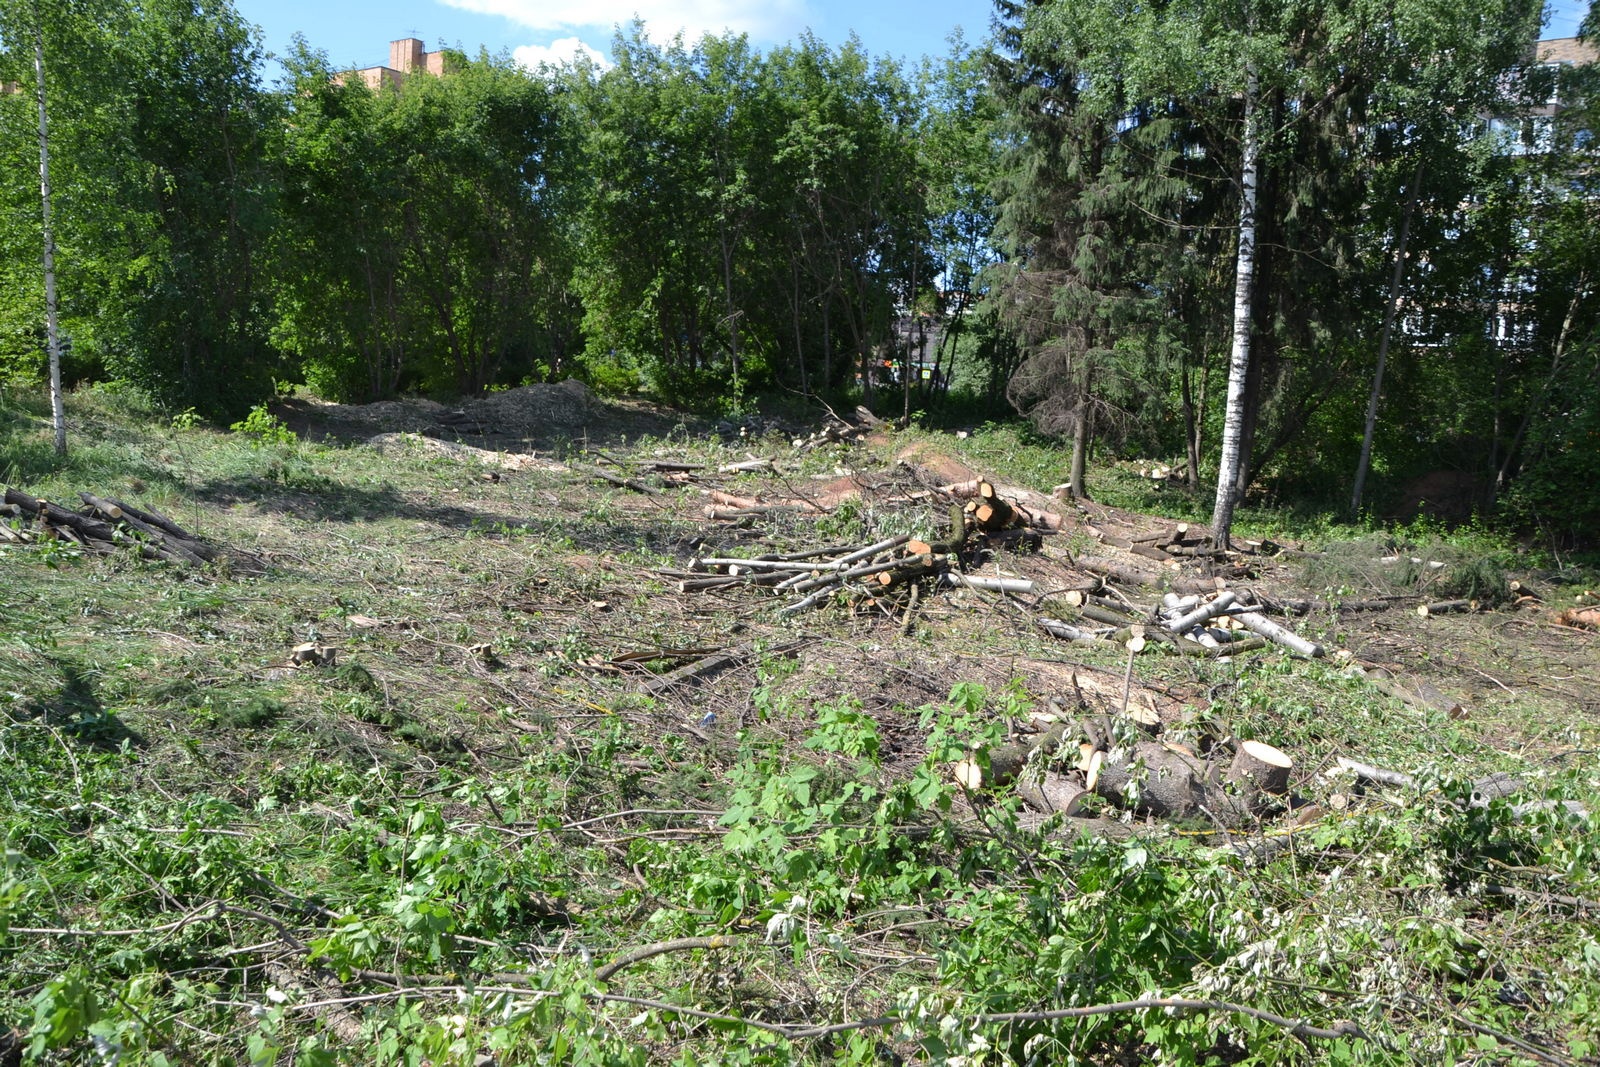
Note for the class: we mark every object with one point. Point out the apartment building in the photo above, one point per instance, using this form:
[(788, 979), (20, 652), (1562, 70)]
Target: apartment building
[(406, 57)]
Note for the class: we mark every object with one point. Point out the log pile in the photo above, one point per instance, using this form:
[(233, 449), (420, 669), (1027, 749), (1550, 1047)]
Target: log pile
[(1197, 616), (836, 430), (104, 526), (1124, 760)]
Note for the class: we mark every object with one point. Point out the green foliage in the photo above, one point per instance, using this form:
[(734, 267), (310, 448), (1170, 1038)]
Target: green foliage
[(196, 813), (445, 269), (265, 427), (782, 219)]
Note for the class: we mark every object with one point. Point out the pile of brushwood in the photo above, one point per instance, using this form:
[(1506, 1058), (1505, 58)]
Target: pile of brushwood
[(105, 526)]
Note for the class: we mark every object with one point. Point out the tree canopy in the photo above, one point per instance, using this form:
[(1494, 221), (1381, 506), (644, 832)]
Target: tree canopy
[(1365, 225)]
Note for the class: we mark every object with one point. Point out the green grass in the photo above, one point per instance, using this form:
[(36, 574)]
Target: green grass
[(423, 853)]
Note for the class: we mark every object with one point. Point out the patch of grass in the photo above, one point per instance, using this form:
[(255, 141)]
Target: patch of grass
[(252, 713), (490, 831)]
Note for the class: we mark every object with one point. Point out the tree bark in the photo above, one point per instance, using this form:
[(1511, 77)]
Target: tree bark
[(1243, 289), (1395, 281), (58, 414)]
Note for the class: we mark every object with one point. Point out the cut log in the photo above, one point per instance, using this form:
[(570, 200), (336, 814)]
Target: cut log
[(1091, 770), (621, 483), (992, 585), (995, 515), (863, 570), (1203, 613), (746, 467), (1066, 631), (1051, 792), (1446, 607), (1204, 586), (1275, 633), (1419, 694), (709, 666), (1172, 535), (1258, 767), (1007, 760), (731, 500), (908, 570), (1109, 616), (1170, 781), (1153, 780), (872, 550), (1118, 572), (1580, 618), (156, 519)]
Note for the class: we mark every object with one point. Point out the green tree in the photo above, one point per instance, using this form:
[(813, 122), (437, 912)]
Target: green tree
[(426, 238), (162, 162), (959, 143), (747, 211), (1083, 220)]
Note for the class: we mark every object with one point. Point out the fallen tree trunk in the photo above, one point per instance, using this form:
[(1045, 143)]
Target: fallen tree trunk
[(992, 585), (1005, 761), (1273, 632), (1415, 692), (1204, 613), (1051, 792), (621, 483), (1446, 607)]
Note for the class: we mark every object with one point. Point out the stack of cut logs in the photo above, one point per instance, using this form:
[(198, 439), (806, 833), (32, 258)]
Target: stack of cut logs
[(1188, 624), (1123, 759), (104, 526), (812, 577)]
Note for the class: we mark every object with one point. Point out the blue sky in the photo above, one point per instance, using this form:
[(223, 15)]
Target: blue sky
[(357, 32)]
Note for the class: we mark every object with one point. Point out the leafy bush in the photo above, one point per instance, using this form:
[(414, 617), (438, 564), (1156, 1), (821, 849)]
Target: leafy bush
[(265, 427)]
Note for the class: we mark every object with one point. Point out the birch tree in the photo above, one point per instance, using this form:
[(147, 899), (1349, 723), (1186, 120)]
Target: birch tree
[(58, 414)]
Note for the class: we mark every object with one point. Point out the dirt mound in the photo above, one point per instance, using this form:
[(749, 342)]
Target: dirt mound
[(536, 410), (540, 416)]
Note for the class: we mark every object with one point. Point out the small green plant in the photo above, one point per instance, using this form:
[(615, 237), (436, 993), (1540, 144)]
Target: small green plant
[(265, 427), (252, 712), (188, 419)]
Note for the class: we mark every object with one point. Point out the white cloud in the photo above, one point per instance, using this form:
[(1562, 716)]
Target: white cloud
[(558, 52), (769, 22)]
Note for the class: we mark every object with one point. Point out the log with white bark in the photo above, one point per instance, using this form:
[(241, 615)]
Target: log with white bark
[(745, 467), (1277, 634), (1446, 607), (1491, 787), (1066, 631), (992, 585), (1204, 613)]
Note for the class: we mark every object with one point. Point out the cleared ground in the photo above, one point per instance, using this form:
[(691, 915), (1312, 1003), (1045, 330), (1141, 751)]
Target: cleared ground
[(481, 829)]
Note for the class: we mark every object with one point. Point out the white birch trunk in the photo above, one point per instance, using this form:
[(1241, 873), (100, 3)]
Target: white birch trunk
[(58, 413), (1243, 288)]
